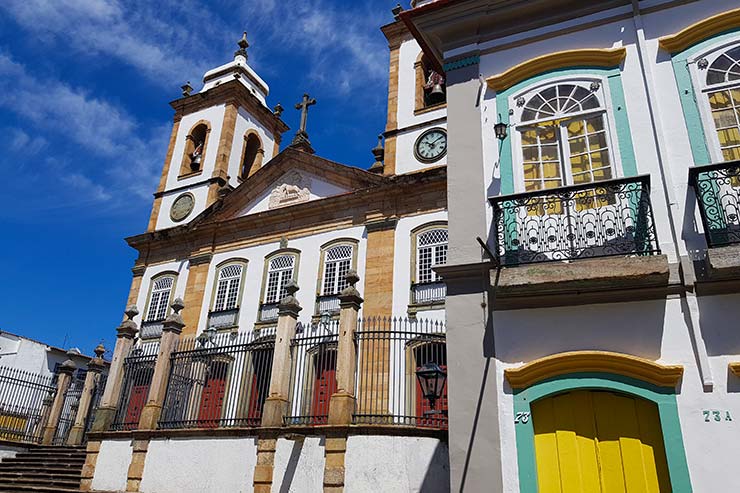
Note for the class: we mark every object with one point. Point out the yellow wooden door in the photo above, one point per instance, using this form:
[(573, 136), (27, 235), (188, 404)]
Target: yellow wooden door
[(595, 441)]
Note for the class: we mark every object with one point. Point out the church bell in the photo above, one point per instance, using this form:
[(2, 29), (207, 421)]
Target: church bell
[(437, 94)]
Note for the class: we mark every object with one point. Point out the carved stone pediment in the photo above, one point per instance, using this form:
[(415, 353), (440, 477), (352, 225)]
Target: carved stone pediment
[(293, 188)]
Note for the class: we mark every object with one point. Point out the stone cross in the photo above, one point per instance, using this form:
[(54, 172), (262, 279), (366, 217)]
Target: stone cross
[(303, 106)]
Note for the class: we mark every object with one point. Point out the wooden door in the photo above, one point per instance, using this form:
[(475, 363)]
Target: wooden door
[(594, 441), (136, 402), (212, 399), (325, 384), (260, 386)]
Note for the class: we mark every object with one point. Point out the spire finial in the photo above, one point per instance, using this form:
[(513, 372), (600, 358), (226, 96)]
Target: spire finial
[(379, 153), (243, 45), (301, 137)]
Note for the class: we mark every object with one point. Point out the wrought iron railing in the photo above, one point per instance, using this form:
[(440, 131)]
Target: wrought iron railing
[(70, 407), (268, 312), (424, 293), (223, 319), (25, 403), (389, 354), (138, 369), (717, 188), (312, 373), (611, 217), (218, 382), (151, 329), (327, 303), (97, 394)]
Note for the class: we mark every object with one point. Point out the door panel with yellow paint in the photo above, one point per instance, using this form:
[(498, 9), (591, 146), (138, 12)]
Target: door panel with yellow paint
[(595, 441)]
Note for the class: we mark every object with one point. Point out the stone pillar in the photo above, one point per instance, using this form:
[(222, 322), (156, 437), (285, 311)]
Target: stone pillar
[(94, 368), (335, 448), (342, 403), (88, 469), (262, 482), (276, 404), (63, 380), (107, 410), (171, 330)]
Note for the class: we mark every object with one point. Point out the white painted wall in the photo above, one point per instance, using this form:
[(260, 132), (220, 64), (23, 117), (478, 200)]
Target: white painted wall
[(33, 356), (299, 465), (199, 465), (181, 268), (111, 468), (244, 123), (399, 464)]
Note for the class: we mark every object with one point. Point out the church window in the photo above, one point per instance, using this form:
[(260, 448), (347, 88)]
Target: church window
[(721, 101), (431, 90), (158, 304), (279, 271), (564, 136), (195, 149), (337, 258), (252, 155), (227, 294), (430, 250)]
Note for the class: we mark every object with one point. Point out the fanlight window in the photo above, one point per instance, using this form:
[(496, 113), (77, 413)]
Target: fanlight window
[(564, 137), (160, 298), (431, 250), (723, 91), (279, 272), (227, 291), (337, 262)]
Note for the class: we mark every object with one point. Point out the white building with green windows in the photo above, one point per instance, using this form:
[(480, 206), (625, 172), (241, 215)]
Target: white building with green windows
[(594, 148)]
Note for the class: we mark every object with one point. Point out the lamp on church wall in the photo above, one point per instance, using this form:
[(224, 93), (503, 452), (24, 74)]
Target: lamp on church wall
[(432, 380), (500, 130)]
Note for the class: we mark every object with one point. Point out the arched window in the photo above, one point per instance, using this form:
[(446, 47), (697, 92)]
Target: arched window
[(337, 259), (252, 155), (195, 149), (431, 90), (158, 304), (225, 306), (722, 89), (564, 136), (430, 250), (279, 270)]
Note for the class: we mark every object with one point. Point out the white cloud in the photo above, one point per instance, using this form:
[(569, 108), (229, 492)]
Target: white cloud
[(22, 143)]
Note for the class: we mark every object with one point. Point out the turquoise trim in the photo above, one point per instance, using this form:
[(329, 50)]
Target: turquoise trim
[(688, 95), (462, 62), (616, 94), (663, 397)]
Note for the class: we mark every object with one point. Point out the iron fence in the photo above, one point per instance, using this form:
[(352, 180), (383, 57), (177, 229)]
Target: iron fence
[(611, 217), (97, 394), (70, 407), (138, 369), (218, 381), (390, 352), (717, 188), (312, 373), (25, 403), (428, 292)]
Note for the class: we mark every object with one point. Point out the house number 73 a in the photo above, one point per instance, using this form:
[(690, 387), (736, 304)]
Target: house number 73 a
[(521, 418)]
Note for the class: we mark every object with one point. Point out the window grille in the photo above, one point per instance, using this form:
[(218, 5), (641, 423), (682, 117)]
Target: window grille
[(160, 298), (227, 291), (723, 92), (431, 250), (337, 262), (279, 272)]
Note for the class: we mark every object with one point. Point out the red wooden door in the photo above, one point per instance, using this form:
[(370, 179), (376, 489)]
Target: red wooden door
[(325, 384), (261, 363), (211, 402), (136, 402)]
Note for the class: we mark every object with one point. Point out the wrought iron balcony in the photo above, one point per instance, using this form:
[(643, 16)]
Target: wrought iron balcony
[(224, 318), (425, 293), (717, 189), (611, 217), (327, 303), (268, 312), (151, 329)]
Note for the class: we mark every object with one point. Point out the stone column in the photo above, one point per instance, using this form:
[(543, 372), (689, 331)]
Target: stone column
[(63, 380), (342, 403), (276, 404), (107, 410), (171, 330), (94, 368)]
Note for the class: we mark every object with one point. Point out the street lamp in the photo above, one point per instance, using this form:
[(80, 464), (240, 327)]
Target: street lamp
[(432, 380), (324, 320), (499, 130)]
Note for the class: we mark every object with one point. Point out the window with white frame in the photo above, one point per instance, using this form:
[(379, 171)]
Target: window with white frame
[(563, 134), (159, 298), (721, 100), (227, 289), (279, 272), (431, 251), (337, 262)]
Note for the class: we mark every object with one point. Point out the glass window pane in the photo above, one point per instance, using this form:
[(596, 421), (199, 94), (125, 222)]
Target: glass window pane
[(531, 154), (551, 170), (719, 100), (731, 154), (531, 171), (575, 128), (724, 118), (597, 141), (595, 124), (579, 164), (729, 137), (602, 174), (599, 159), (577, 145)]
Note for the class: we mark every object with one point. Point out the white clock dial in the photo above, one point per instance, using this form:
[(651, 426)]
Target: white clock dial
[(431, 145), (182, 207)]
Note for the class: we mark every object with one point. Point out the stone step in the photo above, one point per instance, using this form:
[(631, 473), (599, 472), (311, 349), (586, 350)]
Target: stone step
[(56, 468), (67, 475), (41, 465), (56, 455), (44, 482), (37, 489)]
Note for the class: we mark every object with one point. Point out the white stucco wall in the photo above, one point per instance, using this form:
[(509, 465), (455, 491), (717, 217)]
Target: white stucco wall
[(244, 123), (181, 268), (111, 469), (399, 464), (199, 465), (299, 465)]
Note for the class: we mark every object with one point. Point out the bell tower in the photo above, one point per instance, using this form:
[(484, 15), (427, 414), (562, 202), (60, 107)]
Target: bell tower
[(220, 136)]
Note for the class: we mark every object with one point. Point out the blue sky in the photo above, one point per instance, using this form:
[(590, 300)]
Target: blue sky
[(84, 93)]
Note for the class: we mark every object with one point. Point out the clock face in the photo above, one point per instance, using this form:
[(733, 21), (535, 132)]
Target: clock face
[(182, 206), (431, 145)]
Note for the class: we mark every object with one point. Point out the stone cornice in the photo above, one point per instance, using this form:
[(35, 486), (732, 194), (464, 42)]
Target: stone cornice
[(570, 58), (700, 31), (594, 362), (396, 33)]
